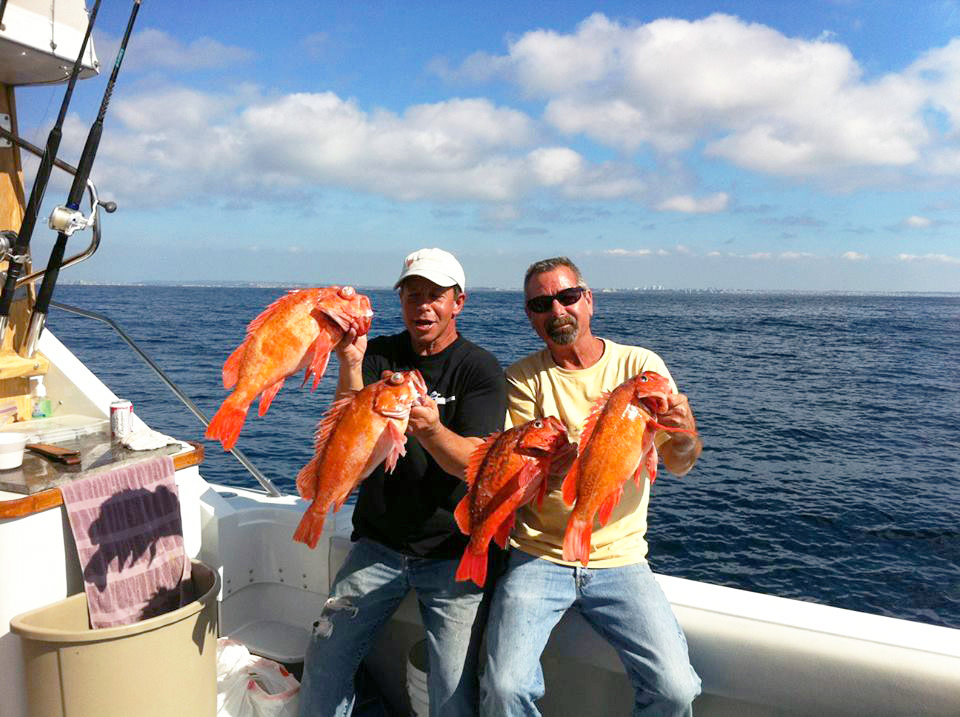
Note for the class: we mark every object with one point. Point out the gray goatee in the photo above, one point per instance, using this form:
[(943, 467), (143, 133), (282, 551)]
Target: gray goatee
[(562, 330)]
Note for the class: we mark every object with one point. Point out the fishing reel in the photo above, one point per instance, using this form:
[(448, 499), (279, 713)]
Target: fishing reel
[(66, 220), (8, 240)]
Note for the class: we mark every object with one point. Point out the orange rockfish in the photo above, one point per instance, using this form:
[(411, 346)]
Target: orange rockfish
[(504, 473), (616, 444), (358, 433), (296, 331)]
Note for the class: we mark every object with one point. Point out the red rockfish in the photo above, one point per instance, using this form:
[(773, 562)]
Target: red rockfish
[(616, 444), (504, 473), (296, 331), (358, 433)]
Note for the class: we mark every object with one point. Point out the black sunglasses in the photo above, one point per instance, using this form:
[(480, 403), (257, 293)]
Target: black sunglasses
[(567, 297)]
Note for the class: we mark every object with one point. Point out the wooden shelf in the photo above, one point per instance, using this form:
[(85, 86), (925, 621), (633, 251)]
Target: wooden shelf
[(20, 507), (12, 365)]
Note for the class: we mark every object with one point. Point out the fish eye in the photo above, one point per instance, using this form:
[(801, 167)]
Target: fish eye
[(644, 379), (347, 292), (538, 424), (396, 379)]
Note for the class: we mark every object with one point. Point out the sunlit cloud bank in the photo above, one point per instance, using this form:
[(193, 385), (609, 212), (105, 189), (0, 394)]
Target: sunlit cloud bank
[(755, 97), (929, 258), (717, 88)]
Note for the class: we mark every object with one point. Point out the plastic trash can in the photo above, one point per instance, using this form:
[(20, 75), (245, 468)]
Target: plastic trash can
[(158, 667)]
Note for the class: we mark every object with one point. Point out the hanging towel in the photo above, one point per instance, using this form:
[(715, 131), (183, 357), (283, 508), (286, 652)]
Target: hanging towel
[(126, 523)]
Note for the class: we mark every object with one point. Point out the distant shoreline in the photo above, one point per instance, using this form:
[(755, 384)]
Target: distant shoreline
[(493, 289)]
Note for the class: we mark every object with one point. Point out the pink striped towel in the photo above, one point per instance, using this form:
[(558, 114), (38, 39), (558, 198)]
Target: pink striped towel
[(126, 523)]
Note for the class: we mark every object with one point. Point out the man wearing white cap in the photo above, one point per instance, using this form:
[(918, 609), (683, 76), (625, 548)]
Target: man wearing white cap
[(404, 533)]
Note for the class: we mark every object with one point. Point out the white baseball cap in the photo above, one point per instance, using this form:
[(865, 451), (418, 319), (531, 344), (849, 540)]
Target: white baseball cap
[(439, 266)]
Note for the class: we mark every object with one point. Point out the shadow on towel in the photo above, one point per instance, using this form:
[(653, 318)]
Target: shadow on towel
[(123, 532), (129, 536)]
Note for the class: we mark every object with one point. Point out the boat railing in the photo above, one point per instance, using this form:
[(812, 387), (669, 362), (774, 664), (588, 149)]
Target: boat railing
[(267, 484)]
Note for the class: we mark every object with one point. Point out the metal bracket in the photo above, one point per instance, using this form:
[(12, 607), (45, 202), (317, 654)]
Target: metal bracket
[(7, 125)]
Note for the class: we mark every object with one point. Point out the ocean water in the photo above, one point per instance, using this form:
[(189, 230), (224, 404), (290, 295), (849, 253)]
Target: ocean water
[(830, 423)]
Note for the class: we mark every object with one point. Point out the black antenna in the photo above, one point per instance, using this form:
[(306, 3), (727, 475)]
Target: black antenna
[(84, 166), (21, 245)]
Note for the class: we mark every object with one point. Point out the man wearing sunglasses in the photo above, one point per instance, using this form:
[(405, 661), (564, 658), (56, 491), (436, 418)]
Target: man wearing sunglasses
[(616, 592)]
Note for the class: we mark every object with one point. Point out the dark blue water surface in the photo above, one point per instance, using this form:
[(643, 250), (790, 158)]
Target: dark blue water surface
[(830, 423)]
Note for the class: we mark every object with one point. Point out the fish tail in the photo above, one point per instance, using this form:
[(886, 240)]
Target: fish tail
[(473, 566), (576, 541), (226, 424), (311, 527)]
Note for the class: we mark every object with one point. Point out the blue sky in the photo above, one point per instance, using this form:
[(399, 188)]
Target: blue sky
[(735, 145)]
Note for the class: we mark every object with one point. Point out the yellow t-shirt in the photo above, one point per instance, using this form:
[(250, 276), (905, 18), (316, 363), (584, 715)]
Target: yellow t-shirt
[(537, 388)]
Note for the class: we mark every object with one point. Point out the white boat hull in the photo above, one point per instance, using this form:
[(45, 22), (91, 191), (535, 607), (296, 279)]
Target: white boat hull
[(756, 654)]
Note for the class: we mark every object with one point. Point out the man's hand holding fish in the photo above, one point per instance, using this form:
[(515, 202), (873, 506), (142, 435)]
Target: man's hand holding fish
[(404, 532)]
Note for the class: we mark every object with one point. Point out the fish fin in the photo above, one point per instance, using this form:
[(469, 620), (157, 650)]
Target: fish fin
[(321, 357), (652, 457), (231, 368), (311, 526), (576, 541), (337, 318), (396, 448), (542, 492), (571, 482), (266, 398), (462, 514), (503, 532), (329, 421), (473, 566), (226, 424), (262, 317), (338, 504), (476, 458), (609, 503), (388, 449), (513, 489), (307, 479), (590, 424)]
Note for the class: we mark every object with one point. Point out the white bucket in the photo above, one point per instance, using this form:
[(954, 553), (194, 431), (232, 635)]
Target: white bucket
[(11, 450), (417, 670)]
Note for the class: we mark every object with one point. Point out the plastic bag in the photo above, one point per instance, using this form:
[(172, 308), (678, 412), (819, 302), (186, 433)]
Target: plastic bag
[(251, 686)]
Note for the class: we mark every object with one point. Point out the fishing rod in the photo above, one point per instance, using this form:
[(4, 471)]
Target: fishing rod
[(68, 219), (19, 252)]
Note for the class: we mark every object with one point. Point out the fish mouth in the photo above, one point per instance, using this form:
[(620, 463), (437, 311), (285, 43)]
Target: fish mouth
[(654, 404)]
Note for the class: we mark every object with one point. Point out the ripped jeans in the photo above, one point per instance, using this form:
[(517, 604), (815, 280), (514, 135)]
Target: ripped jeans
[(371, 584)]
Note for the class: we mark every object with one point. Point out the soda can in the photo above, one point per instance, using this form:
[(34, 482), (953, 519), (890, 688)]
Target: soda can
[(121, 418)]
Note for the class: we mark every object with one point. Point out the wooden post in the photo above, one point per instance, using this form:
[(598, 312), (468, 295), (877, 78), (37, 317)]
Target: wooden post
[(14, 386)]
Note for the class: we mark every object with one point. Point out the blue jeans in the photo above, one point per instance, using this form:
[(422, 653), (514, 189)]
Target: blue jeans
[(624, 605), (371, 584)]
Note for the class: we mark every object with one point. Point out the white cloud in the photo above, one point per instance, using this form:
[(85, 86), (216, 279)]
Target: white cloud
[(627, 252), (735, 91), (853, 256), (635, 252), (175, 142), (152, 49), (916, 222), (693, 205), (750, 94), (930, 258)]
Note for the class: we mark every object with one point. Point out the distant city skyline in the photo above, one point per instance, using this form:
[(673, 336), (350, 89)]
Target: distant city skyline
[(732, 145)]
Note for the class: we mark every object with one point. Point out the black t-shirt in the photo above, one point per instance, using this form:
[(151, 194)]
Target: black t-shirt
[(411, 509)]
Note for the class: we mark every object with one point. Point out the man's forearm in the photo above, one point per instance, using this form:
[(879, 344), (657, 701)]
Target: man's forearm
[(350, 378), (680, 453)]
